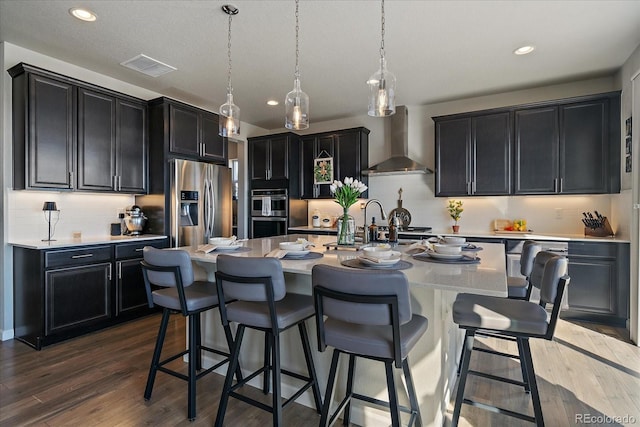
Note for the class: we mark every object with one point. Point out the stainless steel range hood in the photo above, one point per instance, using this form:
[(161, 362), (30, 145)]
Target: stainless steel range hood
[(399, 163)]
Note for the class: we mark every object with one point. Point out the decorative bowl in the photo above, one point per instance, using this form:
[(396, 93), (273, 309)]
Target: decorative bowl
[(379, 252), (454, 240), (292, 246), (447, 249)]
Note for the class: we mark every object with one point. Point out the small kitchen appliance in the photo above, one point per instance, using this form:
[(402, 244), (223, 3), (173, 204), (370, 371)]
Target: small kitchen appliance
[(135, 220)]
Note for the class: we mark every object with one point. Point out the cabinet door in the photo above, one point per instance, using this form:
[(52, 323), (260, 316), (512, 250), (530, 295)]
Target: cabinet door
[(536, 151), (214, 147), (593, 285), (326, 146), (96, 141), (184, 135), (491, 151), (259, 158), (51, 134), (77, 297), (131, 294), (279, 158), (132, 147), (307, 155), (453, 140), (584, 147)]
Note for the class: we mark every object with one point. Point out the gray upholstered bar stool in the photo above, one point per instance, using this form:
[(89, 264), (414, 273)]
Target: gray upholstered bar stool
[(366, 314), (518, 287), (178, 293), (262, 303), (519, 319)]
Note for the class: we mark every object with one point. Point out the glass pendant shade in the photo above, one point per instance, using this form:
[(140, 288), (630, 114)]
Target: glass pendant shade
[(229, 121), (296, 108), (382, 92)]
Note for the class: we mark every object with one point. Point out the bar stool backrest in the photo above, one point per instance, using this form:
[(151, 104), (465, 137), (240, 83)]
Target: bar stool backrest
[(248, 267), (168, 258), (363, 282), (530, 249), (537, 271), (554, 270)]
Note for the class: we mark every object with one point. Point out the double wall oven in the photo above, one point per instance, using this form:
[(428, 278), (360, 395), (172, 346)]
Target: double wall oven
[(269, 212)]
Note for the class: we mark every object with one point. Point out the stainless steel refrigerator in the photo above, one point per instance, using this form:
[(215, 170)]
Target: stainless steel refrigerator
[(200, 202)]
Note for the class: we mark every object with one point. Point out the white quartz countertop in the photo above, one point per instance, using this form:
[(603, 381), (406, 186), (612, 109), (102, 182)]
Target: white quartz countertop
[(491, 234), (84, 241), (486, 278)]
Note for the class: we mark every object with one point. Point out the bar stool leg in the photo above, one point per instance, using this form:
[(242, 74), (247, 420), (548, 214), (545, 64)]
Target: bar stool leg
[(229, 336), (523, 366), (153, 370), (535, 397), (346, 418), (193, 364), (198, 341), (467, 349), (233, 365), (411, 391), (324, 418), (393, 395), (304, 337), (276, 387), (267, 363)]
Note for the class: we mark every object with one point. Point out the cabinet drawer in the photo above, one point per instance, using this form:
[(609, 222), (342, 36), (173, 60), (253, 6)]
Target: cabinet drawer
[(77, 256), (607, 250), (134, 250)]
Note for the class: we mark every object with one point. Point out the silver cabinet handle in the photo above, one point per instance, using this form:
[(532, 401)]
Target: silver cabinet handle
[(119, 270), (560, 190), (139, 249), (473, 187), (119, 182), (555, 185), (71, 179), (114, 182), (81, 256), (109, 272)]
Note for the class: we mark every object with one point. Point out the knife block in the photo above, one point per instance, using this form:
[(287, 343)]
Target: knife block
[(604, 231)]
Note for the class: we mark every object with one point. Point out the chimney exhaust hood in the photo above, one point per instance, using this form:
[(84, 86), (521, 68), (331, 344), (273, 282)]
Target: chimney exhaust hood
[(399, 163)]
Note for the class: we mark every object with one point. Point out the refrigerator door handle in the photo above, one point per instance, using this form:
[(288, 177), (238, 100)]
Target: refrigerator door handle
[(212, 204), (206, 206)]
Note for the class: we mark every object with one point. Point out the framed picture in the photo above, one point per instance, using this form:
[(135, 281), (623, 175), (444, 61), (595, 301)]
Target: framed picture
[(627, 127), (323, 170), (627, 164), (627, 146)]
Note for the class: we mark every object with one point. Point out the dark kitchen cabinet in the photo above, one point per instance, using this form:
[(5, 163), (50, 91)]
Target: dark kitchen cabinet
[(599, 288), (349, 149), (473, 155), (67, 292), (70, 134), (269, 157), (191, 133), (570, 147), (44, 136)]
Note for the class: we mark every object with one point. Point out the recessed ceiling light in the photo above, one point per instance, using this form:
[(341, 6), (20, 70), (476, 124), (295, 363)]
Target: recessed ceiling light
[(272, 102), (83, 14), (524, 50)]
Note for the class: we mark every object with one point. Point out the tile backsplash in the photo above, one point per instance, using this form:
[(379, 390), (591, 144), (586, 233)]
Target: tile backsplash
[(88, 213)]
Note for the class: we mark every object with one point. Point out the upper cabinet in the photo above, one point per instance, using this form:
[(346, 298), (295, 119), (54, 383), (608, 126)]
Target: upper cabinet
[(349, 150), (473, 155), (569, 146), (75, 136), (192, 133), (274, 162)]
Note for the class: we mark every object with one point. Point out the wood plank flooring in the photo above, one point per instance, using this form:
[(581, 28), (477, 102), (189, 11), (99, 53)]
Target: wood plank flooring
[(99, 379)]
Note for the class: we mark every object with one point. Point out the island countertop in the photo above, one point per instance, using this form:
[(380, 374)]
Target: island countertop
[(487, 278)]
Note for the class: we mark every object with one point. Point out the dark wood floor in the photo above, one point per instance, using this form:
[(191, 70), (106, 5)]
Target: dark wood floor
[(99, 380)]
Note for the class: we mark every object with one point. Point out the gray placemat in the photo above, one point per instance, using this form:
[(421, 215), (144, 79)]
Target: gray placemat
[(310, 255), (447, 261), (235, 251), (355, 263)]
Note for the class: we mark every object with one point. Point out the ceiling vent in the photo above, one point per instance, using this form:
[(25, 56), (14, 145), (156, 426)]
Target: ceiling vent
[(148, 66)]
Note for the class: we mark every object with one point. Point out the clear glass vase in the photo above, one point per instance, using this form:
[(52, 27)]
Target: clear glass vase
[(346, 235)]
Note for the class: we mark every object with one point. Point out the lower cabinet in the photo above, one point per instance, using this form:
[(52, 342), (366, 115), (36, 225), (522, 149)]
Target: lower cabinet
[(599, 287), (67, 292)]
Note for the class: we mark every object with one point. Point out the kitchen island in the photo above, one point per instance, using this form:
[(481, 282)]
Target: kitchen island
[(433, 289)]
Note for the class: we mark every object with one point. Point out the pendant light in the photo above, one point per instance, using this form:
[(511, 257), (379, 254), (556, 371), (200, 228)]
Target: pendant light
[(382, 85), (229, 121), (296, 102)]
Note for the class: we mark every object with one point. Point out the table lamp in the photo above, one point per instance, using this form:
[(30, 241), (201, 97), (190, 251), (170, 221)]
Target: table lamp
[(47, 208)]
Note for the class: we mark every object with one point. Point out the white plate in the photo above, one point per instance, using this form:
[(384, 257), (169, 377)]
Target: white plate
[(297, 253), (228, 248), (386, 261), (436, 255)]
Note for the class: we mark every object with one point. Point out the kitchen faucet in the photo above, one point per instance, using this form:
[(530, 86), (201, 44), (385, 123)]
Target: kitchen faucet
[(365, 235)]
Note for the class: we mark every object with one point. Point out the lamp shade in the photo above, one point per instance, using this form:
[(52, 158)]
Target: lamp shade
[(49, 206)]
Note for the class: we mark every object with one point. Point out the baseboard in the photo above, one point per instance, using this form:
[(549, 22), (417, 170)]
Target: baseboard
[(7, 335)]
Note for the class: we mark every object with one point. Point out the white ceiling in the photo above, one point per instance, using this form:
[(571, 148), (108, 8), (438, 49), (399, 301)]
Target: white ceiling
[(439, 50)]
